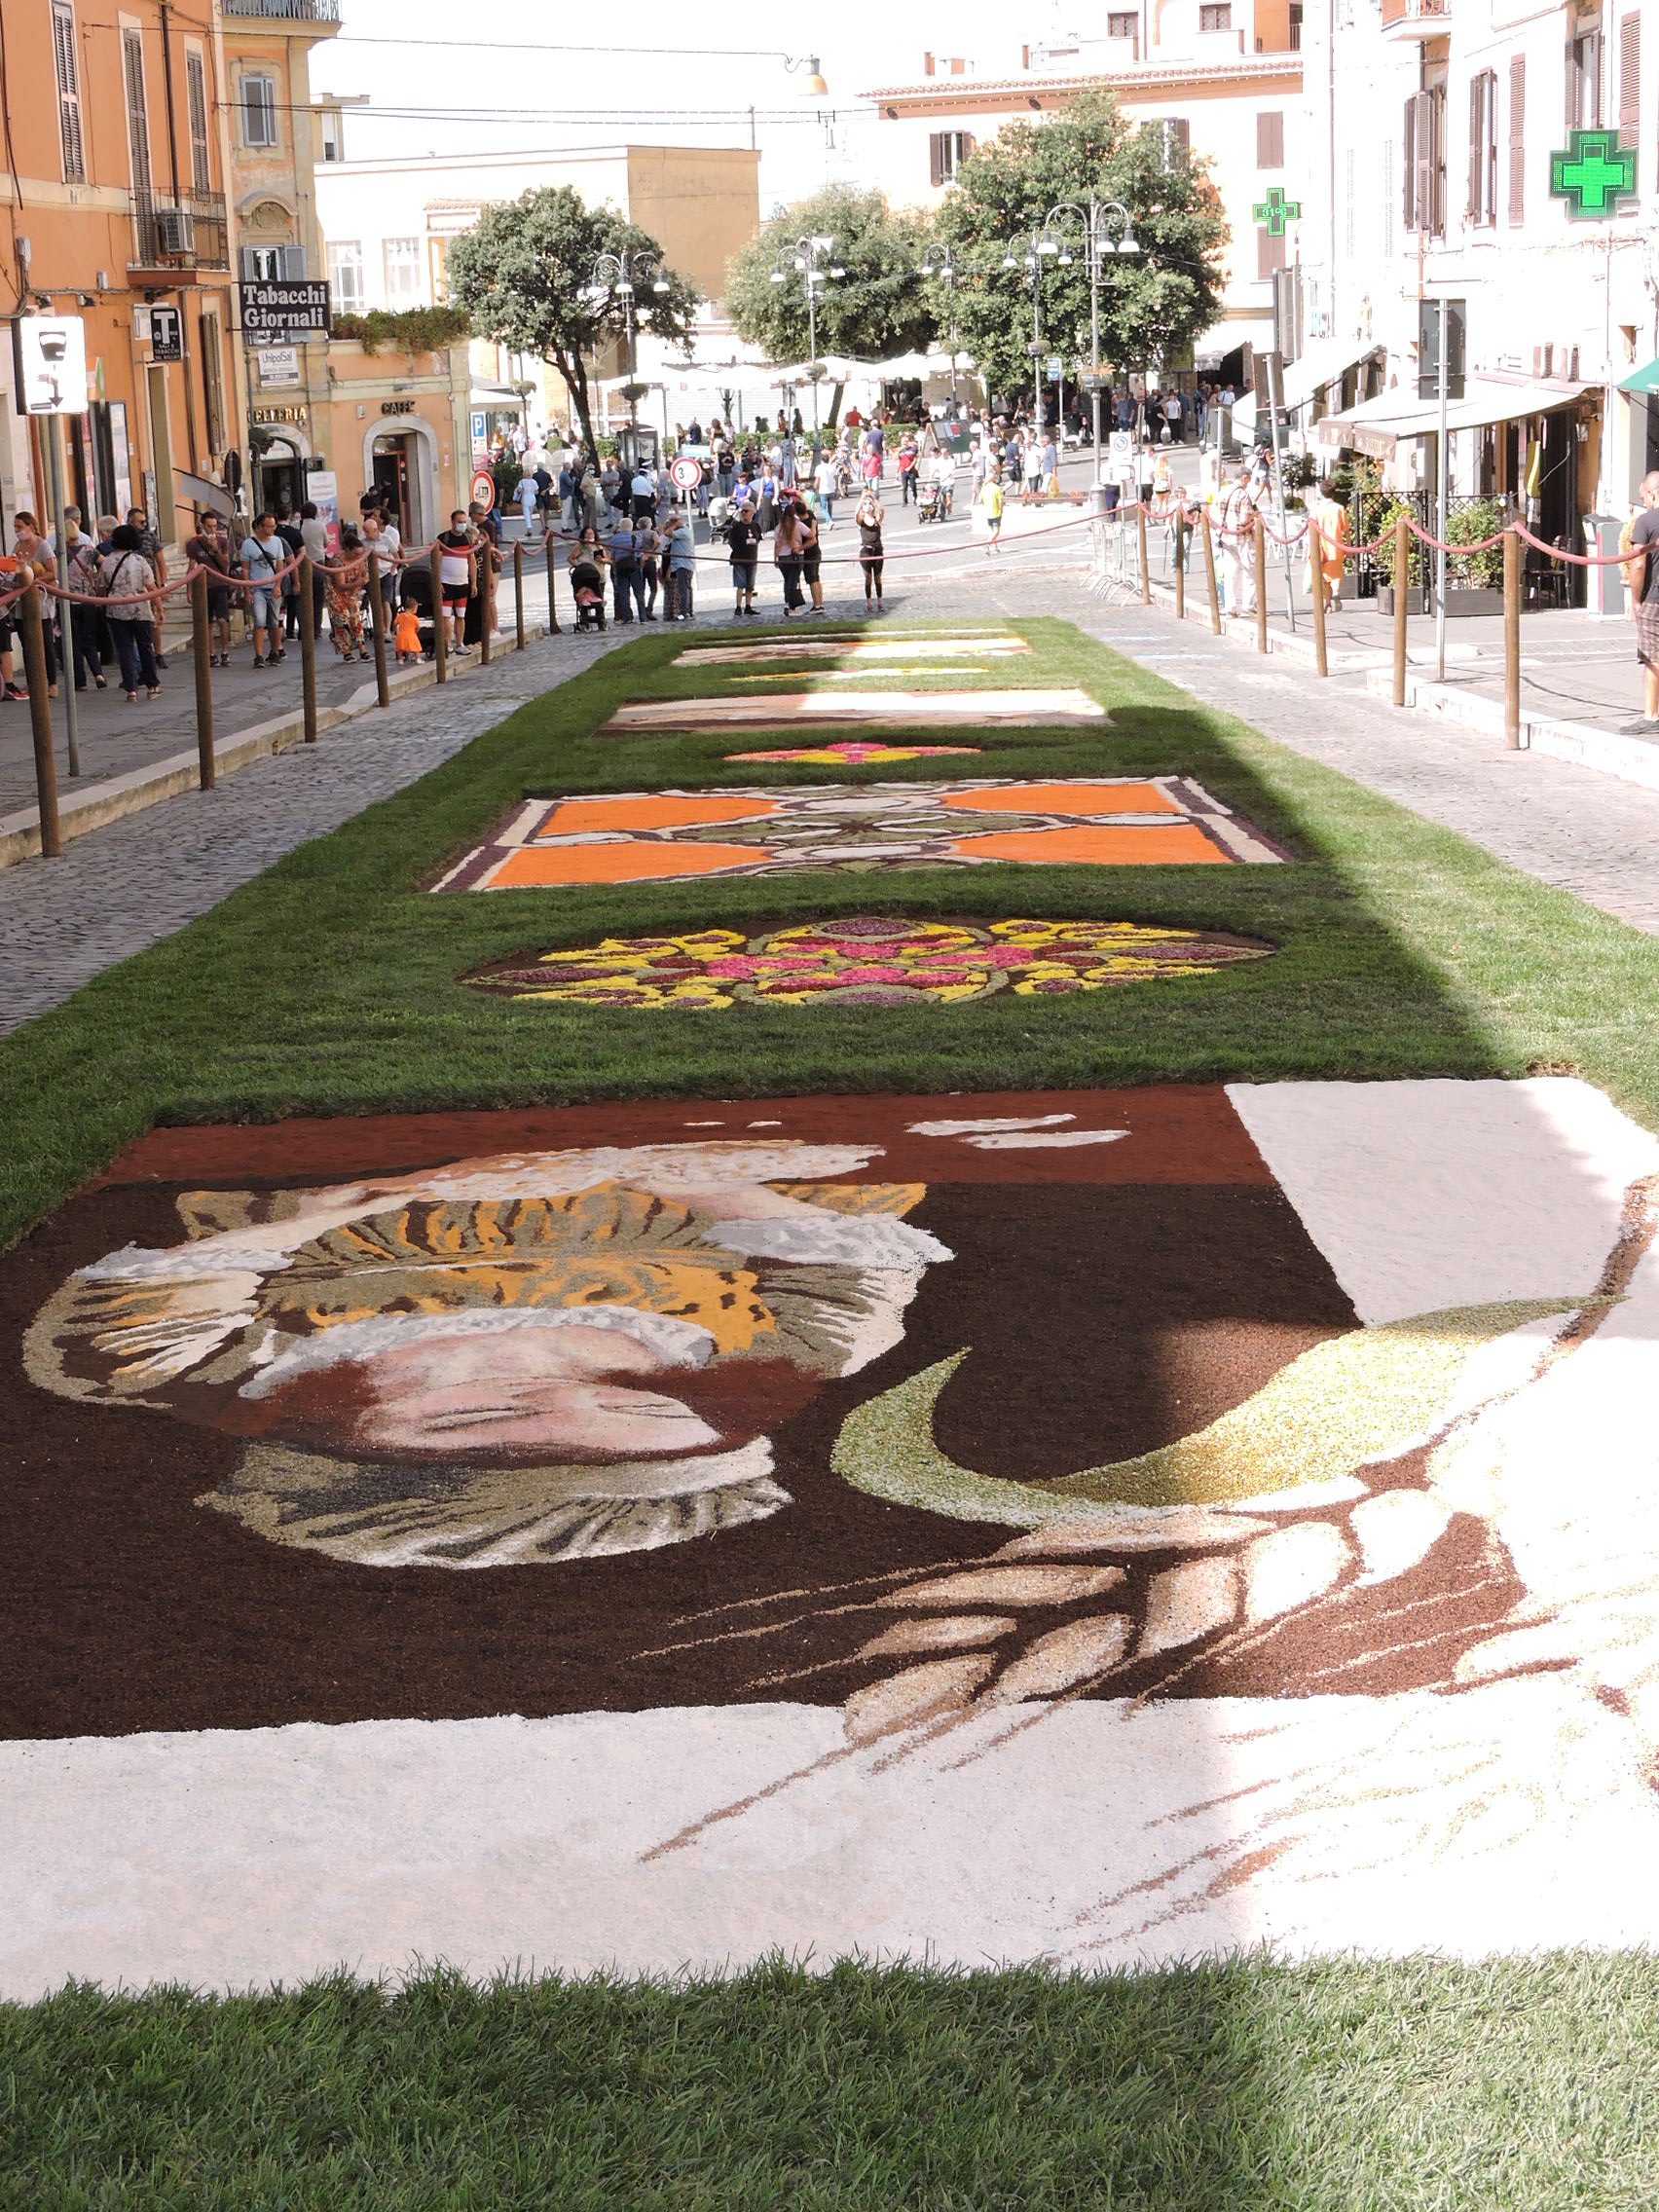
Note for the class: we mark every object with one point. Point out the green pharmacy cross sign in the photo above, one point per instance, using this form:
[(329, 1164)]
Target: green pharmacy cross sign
[(1595, 173), (1276, 211)]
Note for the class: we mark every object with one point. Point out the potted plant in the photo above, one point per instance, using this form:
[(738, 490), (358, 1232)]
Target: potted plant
[(1415, 579), (1474, 582)]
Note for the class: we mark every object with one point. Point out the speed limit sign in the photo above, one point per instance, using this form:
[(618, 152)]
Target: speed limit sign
[(686, 473), (483, 487)]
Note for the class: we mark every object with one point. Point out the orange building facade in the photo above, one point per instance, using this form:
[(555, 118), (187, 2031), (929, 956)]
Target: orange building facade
[(115, 203)]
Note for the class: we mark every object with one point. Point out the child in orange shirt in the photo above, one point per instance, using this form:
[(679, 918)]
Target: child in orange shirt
[(405, 636)]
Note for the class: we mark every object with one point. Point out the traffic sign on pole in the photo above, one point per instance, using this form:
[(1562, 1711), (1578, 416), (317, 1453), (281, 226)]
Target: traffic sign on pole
[(483, 487), (686, 473)]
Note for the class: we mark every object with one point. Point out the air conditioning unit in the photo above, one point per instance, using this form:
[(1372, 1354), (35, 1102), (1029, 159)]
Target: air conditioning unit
[(175, 231)]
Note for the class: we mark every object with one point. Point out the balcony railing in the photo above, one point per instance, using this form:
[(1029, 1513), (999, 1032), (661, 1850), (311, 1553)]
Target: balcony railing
[(1417, 18), (186, 230), (285, 10)]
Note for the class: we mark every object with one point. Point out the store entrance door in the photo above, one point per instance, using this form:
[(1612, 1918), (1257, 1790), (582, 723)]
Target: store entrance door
[(391, 477)]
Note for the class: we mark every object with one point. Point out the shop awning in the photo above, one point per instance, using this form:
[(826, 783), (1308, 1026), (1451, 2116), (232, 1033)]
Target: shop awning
[(1644, 379), (1304, 379), (1379, 425), (495, 395)]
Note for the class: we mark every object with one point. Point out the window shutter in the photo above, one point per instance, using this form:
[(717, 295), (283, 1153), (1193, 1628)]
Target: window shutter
[(1270, 141), (1630, 78), (68, 95), (249, 264), (1409, 195), (1476, 164), (294, 263), (138, 121), (195, 101), (1516, 137), (1431, 174), (936, 158)]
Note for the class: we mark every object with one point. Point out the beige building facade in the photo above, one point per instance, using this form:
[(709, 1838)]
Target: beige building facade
[(1221, 78), (388, 226)]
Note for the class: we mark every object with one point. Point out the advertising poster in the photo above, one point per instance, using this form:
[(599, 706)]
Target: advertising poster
[(324, 485)]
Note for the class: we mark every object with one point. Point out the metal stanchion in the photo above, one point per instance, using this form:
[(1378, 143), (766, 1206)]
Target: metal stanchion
[(1210, 572), (308, 650), (1512, 560), (1145, 569), (377, 617), (1316, 566), (552, 609), (1258, 555), (201, 656), (1402, 603), (1180, 566), (40, 723), (517, 590)]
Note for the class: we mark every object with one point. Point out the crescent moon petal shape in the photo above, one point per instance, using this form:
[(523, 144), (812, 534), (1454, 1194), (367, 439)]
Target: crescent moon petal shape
[(1359, 1397)]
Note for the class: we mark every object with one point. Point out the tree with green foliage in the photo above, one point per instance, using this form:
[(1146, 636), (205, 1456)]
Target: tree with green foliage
[(878, 306), (524, 274), (1153, 304)]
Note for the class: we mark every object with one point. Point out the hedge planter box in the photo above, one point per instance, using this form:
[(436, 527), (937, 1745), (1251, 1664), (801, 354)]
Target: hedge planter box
[(1473, 599), (1417, 601)]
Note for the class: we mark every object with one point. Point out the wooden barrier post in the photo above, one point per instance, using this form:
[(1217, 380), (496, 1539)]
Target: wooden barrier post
[(517, 590), (377, 615), (308, 650), (201, 654), (1316, 564), (1145, 568), (1512, 560), (1180, 565), (1402, 603), (552, 609), (40, 723), (440, 641), (1210, 572), (1259, 557)]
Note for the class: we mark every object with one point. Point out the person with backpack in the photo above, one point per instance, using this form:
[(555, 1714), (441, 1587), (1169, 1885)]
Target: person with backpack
[(263, 554), (122, 575)]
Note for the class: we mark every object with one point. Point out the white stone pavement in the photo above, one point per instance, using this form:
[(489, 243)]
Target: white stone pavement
[(126, 886)]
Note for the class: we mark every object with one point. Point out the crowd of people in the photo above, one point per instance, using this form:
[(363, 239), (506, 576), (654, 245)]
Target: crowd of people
[(767, 494)]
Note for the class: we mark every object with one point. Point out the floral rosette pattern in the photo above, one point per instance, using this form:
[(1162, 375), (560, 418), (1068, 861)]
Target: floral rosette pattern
[(867, 959), (858, 753)]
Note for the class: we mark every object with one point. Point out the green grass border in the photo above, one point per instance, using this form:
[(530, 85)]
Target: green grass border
[(328, 984)]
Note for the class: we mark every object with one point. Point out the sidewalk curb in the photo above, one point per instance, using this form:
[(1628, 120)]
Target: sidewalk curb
[(1629, 759), (91, 806)]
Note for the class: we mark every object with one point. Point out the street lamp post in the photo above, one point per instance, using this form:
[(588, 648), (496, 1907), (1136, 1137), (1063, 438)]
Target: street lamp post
[(802, 255), (1107, 228), (945, 265), (1026, 251), (623, 273)]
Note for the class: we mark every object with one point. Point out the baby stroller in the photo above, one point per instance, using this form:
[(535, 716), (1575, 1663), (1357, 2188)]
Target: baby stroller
[(930, 501), (587, 589)]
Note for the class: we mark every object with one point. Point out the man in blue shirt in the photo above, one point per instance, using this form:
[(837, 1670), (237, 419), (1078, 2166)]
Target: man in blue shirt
[(624, 546)]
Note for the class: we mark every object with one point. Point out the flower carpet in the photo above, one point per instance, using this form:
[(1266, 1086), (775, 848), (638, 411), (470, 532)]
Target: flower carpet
[(1210, 1515), (866, 960), (640, 836)]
